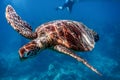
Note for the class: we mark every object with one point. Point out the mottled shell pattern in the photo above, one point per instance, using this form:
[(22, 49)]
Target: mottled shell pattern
[(72, 34)]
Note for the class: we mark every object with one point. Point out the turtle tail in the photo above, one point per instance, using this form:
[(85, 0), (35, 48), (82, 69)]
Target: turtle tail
[(18, 24)]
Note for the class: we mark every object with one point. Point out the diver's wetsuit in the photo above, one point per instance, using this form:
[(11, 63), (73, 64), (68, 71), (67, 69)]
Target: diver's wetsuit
[(68, 4)]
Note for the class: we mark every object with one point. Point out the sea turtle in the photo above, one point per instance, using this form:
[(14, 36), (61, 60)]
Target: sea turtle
[(63, 36)]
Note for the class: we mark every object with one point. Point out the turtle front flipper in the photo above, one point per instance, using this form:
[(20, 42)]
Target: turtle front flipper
[(18, 24), (65, 50)]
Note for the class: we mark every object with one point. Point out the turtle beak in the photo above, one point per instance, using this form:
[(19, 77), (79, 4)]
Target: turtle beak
[(28, 50), (21, 53), (24, 53)]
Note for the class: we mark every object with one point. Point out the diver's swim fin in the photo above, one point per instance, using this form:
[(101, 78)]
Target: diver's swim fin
[(69, 8)]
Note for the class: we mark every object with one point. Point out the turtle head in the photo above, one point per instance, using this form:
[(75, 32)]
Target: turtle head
[(29, 50)]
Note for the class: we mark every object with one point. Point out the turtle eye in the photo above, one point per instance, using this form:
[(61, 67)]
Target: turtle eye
[(25, 53), (28, 54), (31, 53)]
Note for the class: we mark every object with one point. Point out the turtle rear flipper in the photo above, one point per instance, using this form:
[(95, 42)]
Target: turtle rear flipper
[(18, 24)]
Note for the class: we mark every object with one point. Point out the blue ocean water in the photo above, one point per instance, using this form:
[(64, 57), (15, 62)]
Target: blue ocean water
[(103, 16)]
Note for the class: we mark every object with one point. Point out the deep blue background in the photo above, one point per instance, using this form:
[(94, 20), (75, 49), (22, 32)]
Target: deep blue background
[(102, 16)]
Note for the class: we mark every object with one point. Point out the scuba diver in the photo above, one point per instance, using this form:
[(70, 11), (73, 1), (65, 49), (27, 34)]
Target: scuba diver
[(68, 4)]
